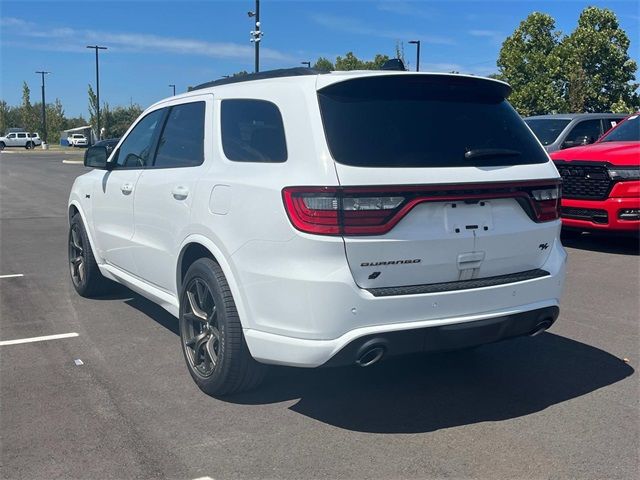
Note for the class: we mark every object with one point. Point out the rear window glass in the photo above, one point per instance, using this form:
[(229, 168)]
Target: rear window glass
[(547, 130), (424, 121), (252, 131)]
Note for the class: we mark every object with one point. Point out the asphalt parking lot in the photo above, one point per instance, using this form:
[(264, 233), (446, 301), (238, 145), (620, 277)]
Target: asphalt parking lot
[(564, 404)]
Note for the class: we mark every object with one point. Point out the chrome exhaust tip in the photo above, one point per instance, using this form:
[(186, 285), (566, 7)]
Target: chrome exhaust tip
[(541, 327), (370, 355)]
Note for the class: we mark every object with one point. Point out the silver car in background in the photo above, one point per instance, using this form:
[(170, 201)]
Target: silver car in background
[(565, 130)]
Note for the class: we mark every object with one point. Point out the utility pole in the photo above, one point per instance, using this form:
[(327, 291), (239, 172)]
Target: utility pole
[(308, 64), (44, 112), (256, 35), (417, 43), (96, 47), (174, 89)]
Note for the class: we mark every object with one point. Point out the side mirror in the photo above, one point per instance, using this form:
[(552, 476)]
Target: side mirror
[(96, 157)]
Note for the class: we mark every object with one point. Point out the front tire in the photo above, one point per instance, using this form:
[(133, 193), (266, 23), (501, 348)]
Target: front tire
[(213, 345), (85, 274), (2, 145)]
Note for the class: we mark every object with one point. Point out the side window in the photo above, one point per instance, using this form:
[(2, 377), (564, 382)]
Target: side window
[(252, 131), (135, 151), (585, 132), (181, 143), (12, 135), (22, 135)]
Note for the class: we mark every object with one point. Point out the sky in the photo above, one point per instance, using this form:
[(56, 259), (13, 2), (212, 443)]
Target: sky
[(152, 44)]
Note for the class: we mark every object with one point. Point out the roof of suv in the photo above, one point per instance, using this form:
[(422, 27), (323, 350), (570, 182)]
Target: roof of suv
[(321, 77), (571, 116)]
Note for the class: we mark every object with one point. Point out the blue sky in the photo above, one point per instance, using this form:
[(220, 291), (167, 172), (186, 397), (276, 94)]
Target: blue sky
[(156, 43)]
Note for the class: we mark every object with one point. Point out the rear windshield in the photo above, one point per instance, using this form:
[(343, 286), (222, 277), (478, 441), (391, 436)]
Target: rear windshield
[(547, 130), (627, 131), (424, 121)]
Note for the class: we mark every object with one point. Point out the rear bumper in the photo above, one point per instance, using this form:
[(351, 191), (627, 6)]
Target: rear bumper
[(448, 337), (399, 339), (599, 214)]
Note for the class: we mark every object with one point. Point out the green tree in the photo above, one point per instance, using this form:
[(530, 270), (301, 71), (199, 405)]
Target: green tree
[(529, 62), (28, 115), (323, 64), (93, 108), (598, 70), (56, 121)]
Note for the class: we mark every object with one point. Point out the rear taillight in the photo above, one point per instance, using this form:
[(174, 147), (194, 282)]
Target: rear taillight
[(376, 210), (546, 203)]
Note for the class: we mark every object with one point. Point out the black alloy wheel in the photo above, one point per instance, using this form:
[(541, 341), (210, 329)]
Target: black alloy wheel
[(200, 329), (77, 256)]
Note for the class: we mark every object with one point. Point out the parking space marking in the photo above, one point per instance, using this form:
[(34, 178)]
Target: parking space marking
[(12, 275), (203, 478), (73, 162), (37, 339)]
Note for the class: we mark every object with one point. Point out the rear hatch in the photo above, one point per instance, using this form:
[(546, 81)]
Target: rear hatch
[(441, 180)]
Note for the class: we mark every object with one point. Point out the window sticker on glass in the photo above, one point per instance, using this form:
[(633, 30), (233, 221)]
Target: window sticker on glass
[(613, 123)]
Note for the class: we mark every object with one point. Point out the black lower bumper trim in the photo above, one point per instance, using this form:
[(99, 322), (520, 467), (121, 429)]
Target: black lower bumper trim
[(447, 337), (459, 285)]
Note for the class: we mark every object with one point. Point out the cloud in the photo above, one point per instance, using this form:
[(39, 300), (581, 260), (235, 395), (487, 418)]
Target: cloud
[(75, 40), (493, 35), (357, 27)]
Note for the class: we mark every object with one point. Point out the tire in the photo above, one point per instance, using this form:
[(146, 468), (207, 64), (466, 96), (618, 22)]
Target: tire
[(2, 145), (85, 274), (213, 345)]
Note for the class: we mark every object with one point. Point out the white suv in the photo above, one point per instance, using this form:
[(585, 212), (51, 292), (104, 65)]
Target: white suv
[(27, 140), (308, 219)]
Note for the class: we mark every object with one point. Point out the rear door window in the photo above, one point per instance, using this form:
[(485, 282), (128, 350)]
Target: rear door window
[(252, 131), (181, 143), (424, 121)]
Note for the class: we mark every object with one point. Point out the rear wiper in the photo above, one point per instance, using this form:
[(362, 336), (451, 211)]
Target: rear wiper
[(490, 152)]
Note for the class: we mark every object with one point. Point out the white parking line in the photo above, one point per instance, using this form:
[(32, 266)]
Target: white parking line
[(13, 275), (37, 339), (73, 162)]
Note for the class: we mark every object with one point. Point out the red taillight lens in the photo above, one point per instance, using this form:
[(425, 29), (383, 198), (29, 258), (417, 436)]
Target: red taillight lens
[(337, 211), (376, 210), (546, 203)]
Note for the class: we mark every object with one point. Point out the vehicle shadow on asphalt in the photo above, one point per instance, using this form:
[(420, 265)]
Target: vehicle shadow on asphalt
[(599, 242), (424, 393), (431, 392)]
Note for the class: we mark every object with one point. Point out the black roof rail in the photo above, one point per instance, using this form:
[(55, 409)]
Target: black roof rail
[(283, 72)]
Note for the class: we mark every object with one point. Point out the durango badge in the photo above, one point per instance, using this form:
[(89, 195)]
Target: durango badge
[(391, 262)]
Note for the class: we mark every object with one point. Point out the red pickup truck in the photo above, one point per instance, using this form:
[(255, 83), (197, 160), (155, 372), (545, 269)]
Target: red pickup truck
[(601, 181)]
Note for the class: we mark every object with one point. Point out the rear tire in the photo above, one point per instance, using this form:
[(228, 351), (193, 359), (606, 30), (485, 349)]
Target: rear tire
[(85, 274), (213, 344), (2, 145)]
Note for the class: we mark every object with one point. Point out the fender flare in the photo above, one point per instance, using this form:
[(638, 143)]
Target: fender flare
[(78, 206), (221, 259)]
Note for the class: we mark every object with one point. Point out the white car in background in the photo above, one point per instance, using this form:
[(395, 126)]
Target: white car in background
[(20, 139), (310, 219), (77, 140)]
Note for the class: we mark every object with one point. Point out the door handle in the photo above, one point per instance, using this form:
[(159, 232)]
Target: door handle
[(126, 188), (180, 192)]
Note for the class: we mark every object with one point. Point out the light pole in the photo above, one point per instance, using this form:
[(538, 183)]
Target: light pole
[(174, 89), (96, 47), (256, 35), (417, 43), (44, 112), (308, 64)]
